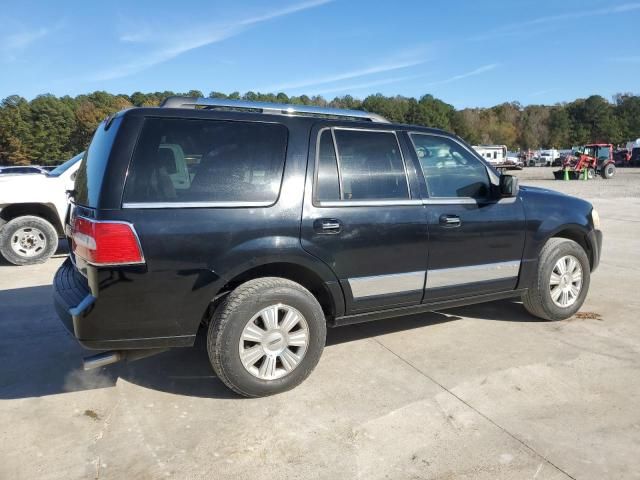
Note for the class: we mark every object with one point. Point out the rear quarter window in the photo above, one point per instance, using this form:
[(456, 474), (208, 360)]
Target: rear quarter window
[(206, 161), (91, 172)]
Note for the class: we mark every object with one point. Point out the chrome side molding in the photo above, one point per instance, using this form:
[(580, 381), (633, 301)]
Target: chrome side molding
[(362, 287)]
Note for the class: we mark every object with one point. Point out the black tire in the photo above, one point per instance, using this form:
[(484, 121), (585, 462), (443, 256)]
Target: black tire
[(591, 174), (46, 233), (231, 317), (608, 171), (537, 300)]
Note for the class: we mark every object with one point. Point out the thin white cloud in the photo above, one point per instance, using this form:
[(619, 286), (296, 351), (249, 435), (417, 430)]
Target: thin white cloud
[(362, 72), (462, 76), (392, 80), (540, 93), (12, 44), (362, 86), (169, 46), (518, 28)]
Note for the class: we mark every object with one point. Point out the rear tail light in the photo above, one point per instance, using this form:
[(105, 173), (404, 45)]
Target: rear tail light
[(105, 242)]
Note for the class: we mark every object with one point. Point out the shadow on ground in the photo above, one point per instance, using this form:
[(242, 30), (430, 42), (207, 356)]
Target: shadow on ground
[(38, 357)]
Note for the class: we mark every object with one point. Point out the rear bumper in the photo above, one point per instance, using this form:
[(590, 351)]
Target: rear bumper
[(92, 323)]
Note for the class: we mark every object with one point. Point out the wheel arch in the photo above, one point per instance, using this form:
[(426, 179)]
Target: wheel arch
[(578, 235), (43, 210), (328, 294)]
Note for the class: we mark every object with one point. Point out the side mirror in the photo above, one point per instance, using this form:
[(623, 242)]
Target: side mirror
[(508, 186)]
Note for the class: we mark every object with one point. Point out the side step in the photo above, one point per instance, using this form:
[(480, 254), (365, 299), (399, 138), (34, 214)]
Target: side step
[(107, 358)]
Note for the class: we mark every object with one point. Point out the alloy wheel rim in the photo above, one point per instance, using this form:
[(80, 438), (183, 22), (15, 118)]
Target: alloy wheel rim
[(28, 241), (274, 342), (565, 282)]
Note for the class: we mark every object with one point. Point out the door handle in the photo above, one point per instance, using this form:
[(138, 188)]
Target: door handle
[(327, 225), (450, 221)]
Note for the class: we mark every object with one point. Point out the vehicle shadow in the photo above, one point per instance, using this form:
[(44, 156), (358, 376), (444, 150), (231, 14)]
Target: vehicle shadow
[(38, 357)]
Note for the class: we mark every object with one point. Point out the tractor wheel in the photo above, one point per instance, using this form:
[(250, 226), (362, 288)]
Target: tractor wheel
[(591, 174), (608, 171)]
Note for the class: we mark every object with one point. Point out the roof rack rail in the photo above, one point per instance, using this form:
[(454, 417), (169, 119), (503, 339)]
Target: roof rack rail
[(271, 108)]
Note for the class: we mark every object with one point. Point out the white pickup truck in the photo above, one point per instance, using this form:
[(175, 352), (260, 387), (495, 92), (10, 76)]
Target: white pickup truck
[(32, 211)]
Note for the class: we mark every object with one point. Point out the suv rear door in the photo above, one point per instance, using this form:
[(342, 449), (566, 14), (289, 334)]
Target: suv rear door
[(476, 241), (363, 216)]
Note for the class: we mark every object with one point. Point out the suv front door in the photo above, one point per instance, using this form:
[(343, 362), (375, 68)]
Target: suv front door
[(363, 217), (476, 241)]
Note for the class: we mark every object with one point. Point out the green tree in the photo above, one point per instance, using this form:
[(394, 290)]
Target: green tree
[(52, 125), (15, 131)]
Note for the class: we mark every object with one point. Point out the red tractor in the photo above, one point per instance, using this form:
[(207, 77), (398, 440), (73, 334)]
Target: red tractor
[(596, 158)]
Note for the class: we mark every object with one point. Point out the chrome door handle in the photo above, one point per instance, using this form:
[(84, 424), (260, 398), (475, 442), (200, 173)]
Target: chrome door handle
[(450, 221), (327, 225)]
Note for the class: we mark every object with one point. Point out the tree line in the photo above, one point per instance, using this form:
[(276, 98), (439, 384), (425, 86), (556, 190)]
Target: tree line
[(50, 129)]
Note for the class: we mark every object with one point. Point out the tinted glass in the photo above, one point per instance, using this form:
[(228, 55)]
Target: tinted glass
[(178, 160), (327, 183), (371, 166), (91, 172), (603, 153), (449, 169)]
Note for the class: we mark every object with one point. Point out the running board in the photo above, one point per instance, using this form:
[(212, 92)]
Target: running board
[(422, 308)]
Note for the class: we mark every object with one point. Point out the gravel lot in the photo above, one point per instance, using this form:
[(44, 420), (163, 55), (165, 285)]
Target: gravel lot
[(477, 392)]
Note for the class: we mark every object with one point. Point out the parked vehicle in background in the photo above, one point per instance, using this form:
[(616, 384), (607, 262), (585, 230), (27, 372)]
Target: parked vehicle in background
[(595, 159), (622, 157), (547, 157), (498, 157), (514, 161), (537, 161), (21, 169), (32, 210), (297, 218), (493, 154), (633, 148)]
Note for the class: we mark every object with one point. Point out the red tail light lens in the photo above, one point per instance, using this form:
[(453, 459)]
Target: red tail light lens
[(105, 243)]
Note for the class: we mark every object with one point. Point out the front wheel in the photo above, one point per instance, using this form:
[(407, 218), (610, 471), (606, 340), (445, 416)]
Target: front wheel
[(562, 281), (28, 240), (266, 337)]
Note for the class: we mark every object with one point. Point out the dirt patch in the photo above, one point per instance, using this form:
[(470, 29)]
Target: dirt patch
[(588, 316), (92, 415)]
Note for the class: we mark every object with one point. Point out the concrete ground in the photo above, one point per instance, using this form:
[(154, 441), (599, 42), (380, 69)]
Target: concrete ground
[(485, 391)]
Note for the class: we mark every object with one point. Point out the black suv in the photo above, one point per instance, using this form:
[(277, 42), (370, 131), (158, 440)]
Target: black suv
[(267, 223)]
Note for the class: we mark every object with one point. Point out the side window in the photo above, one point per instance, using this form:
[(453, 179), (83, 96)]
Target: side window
[(449, 169), (370, 166), (327, 180), (181, 160)]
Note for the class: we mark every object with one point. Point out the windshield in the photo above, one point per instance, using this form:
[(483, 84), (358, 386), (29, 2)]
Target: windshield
[(60, 169)]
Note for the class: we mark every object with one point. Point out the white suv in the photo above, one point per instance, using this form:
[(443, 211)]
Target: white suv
[(32, 210)]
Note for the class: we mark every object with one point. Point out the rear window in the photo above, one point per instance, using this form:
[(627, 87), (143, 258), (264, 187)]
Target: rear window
[(205, 161), (91, 171)]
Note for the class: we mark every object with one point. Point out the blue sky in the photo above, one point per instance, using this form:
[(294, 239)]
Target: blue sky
[(468, 53)]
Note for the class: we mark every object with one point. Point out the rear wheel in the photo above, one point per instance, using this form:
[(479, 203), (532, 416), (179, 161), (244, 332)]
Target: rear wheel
[(266, 337), (608, 171), (28, 240), (562, 281)]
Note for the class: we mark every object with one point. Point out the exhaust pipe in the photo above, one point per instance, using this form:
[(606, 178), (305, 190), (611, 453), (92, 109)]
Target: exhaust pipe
[(107, 358), (101, 359)]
